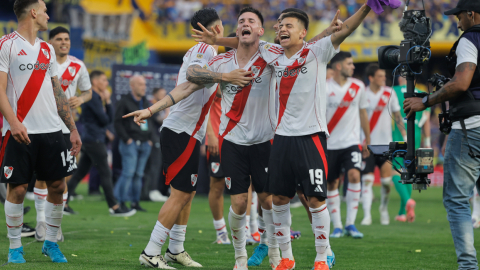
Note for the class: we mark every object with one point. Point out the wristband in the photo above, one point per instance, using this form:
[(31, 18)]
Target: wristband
[(427, 142), (150, 111)]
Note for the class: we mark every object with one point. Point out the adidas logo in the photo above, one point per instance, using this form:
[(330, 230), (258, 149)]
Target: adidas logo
[(321, 236), (22, 52), (332, 94), (318, 189), (279, 234)]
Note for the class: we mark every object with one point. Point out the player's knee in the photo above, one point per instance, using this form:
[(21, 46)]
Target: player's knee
[(18, 191), (315, 202), (56, 187), (280, 200), (353, 176), (239, 203), (333, 185)]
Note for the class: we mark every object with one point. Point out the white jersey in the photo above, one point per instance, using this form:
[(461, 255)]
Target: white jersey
[(189, 115), (343, 112), (301, 82), (30, 70), (381, 106), (248, 113), (73, 73)]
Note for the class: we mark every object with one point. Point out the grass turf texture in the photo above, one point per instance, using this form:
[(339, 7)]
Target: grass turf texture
[(95, 240)]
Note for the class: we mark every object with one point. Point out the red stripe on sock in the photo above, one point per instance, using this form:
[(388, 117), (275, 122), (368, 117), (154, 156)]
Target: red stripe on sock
[(354, 190), (320, 210), (14, 226), (328, 197), (221, 228)]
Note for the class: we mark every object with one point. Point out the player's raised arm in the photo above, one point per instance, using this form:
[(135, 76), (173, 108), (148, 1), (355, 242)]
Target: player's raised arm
[(350, 25), (201, 76), (214, 37), (335, 26), (65, 114)]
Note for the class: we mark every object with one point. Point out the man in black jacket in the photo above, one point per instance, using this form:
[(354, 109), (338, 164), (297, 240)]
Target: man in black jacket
[(135, 144), (95, 118)]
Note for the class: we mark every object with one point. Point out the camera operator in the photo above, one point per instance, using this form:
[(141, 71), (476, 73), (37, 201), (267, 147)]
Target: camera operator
[(461, 168)]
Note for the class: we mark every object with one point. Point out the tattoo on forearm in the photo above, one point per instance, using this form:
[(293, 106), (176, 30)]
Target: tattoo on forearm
[(173, 100), (198, 75), (62, 105), (346, 26), (448, 91)]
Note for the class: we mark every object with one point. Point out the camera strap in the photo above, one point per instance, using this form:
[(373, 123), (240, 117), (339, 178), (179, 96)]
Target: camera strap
[(464, 130)]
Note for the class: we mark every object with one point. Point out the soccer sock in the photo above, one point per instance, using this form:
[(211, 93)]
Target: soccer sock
[(367, 194), (385, 191), (237, 227), (177, 238), (40, 198), (403, 192), (333, 202), (14, 218), (220, 225), (157, 239), (283, 221), (254, 214), (321, 225), (65, 197), (53, 219), (270, 229), (353, 197), (261, 230), (247, 225), (476, 204)]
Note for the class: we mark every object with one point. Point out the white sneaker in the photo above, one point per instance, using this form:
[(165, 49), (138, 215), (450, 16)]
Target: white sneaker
[(60, 237), (274, 257), (384, 217), (182, 258), (30, 196), (241, 264), (222, 239), (154, 261), (476, 222), (156, 196), (366, 221), (40, 231)]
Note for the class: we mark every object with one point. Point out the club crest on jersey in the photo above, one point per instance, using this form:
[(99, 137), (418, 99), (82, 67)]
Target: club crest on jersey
[(301, 61), (8, 171), (72, 71), (384, 98), (352, 92), (228, 182), (205, 67), (256, 70), (194, 179), (199, 56), (215, 167), (267, 46), (45, 52)]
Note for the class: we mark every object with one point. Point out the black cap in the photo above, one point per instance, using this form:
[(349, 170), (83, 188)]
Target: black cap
[(464, 5)]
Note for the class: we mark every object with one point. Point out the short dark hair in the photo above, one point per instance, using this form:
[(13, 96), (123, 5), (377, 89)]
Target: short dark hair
[(339, 57), (304, 20), (95, 74), (372, 69), (157, 89), (58, 30), (295, 10), (252, 10), (20, 6), (230, 35), (204, 16)]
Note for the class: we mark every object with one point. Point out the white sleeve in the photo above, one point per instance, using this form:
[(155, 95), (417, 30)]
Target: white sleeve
[(324, 49), (84, 80), (5, 57), (394, 105), (270, 51), (201, 55), (466, 52), (363, 97)]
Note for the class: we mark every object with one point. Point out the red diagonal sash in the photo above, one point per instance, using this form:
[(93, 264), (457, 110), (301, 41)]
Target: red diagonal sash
[(34, 84), (343, 107), (68, 76), (378, 109)]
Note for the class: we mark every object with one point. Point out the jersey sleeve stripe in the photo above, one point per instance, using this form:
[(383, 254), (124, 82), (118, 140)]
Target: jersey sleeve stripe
[(6, 38)]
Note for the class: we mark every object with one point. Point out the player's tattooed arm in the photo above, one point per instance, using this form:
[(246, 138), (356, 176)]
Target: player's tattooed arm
[(62, 105), (335, 26), (201, 76), (350, 25)]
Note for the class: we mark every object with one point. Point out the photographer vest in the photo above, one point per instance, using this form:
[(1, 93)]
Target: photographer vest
[(467, 104)]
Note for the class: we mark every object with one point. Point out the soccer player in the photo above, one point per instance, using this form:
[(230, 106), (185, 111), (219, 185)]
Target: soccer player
[(73, 74), (422, 123), (346, 113), (181, 134), (383, 102), (298, 159), (33, 104)]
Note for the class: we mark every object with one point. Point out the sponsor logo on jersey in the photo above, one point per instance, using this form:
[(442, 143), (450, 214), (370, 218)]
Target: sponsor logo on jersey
[(199, 55), (8, 171), (292, 72), (215, 167), (267, 46), (194, 179), (46, 53), (205, 67), (228, 182), (36, 66), (22, 52), (72, 71)]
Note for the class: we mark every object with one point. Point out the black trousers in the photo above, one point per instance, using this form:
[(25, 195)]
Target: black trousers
[(94, 154)]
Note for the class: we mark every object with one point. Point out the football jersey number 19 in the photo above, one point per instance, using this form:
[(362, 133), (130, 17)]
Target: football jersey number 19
[(316, 177)]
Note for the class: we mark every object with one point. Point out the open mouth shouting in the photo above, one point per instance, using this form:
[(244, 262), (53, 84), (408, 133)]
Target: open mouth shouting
[(246, 32)]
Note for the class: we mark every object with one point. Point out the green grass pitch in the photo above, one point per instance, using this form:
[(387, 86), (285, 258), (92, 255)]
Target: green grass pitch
[(94, 240)]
